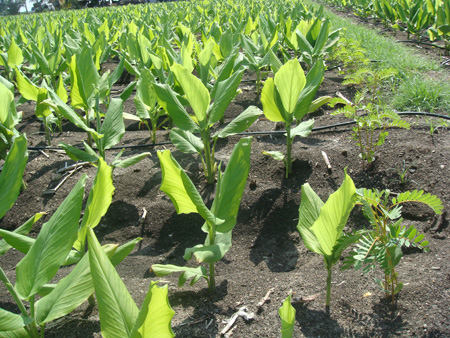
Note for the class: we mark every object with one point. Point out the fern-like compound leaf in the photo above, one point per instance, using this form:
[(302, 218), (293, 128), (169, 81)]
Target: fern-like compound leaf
[(420, 197)]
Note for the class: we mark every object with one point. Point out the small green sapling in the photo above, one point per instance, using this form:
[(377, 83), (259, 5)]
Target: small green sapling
[(321, 224), (287, 316), (382, 244), (219, 220), (287, 98)]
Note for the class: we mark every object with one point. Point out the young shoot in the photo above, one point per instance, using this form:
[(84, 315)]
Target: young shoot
[(321, 224), (287, 98), (372, 122), (219, 220)]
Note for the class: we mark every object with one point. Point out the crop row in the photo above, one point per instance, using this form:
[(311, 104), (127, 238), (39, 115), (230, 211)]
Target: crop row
[(56, 61), (412, 16)]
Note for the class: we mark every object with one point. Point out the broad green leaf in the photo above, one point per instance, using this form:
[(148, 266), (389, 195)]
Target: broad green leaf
[(7, 84), (302, 43), (313, 80), (77, 99), (290, 81), (24, 229), (275, 63), (303, 129), (131, 117), (241, 123), (204, 58), (77, 154), (144, 45), (172, 184), (187, 272), (186, 54), (270, 108), (314, 30), (20, 333), (170, 103), (61, 91), (309, 212), (319, 102), (177, 185), (141, 111), (231, 185), (322, 37), (98, 201), (126, 93), (333, 216), (145, 90), (51, 246), (70, 292), (287, 316), (12, 174), (41, 60), (117, 73), (113, 127), (10, 321), (15, 56), (123, 251), (128, 162), (226, 43), (210, 252), (232, 64), (26, 88), (185, 141), (196, 93), (6, 100), (155, 316), (3, 59), (19, 242), (85, 73), (276, 155), (73, 257), (225, 92), (117, 310), (69, 113)]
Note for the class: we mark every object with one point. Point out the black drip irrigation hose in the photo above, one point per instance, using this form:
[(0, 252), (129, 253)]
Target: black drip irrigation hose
[(250, 133), (421, 43)]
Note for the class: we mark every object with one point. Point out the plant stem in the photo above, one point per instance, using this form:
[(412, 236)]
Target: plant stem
[(47, 133), (289, 150), (99, 142), (327, 303), (154, 127), (33, 326), (258, 80), (212, 277), (13, 292), (91, 301), (361, 147), (23, 185), (212, 270), (210, 175)]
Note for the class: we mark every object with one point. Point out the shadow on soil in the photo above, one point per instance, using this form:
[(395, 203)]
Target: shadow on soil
[(386, 322), (202, 323), (274, 212)]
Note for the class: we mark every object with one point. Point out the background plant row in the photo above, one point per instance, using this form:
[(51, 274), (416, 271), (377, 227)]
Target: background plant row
[(413, 16)]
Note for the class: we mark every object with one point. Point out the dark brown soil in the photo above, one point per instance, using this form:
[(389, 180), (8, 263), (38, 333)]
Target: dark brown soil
[(267, 250)]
